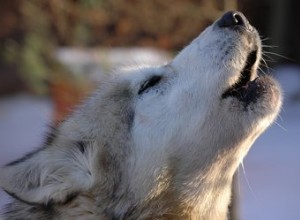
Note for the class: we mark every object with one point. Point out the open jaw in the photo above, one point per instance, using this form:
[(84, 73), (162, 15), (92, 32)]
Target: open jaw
[(244, 89)]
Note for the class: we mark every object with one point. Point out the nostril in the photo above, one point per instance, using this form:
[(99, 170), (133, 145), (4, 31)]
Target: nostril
[(238, 19), (231, 19)]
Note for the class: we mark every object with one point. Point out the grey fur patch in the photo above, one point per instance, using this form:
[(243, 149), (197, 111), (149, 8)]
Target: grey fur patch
[(22, 211)]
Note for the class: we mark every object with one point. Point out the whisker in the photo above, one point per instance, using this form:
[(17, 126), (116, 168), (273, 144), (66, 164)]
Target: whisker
[(279, 125), (247, 181), (266, 65), (281, 56), (265, 38), (270, 59), (261, 70), (279, 116), (269, 69), (269, 46)]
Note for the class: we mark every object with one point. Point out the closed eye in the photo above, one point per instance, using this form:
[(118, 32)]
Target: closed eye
[(154, 80)]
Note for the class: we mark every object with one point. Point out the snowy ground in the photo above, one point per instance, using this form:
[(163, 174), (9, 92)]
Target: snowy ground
[(23, 123), (273, 163), (272, 166)]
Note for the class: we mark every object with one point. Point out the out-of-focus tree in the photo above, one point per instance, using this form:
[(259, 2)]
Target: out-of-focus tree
[(31, 29)]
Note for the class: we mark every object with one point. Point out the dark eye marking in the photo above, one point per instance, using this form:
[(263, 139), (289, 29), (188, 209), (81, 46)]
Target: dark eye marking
[(149, 83)]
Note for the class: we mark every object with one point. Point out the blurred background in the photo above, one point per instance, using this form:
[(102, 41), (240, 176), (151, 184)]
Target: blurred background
[(53, 53)]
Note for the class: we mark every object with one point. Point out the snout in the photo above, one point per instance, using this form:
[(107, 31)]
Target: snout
[(233, 19)]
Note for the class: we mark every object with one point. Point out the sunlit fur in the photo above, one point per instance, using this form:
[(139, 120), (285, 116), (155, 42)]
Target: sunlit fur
[(168, 152)]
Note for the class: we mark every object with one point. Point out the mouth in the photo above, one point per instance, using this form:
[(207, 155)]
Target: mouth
[(244, 88)]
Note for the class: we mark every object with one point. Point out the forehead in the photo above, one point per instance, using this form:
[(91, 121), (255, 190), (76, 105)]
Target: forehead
[(137, 74)]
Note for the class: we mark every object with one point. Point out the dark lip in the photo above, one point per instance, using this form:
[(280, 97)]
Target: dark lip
[(244, 85)]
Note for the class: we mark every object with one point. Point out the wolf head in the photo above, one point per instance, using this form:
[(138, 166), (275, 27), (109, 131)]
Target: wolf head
[(155, 140)]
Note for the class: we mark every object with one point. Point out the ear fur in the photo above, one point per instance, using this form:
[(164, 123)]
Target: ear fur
[(70, 162), (51, 174)]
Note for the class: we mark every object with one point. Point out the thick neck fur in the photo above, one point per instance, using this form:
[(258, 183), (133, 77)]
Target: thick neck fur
[(181, 194)]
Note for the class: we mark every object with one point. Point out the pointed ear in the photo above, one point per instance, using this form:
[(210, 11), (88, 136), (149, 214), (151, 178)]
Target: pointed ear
[(50, 174)]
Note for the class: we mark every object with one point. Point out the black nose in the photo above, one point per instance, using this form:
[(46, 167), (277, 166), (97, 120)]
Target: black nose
[(233, 18)]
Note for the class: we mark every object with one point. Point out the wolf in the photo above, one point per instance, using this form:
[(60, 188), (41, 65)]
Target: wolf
[(154, 142)]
